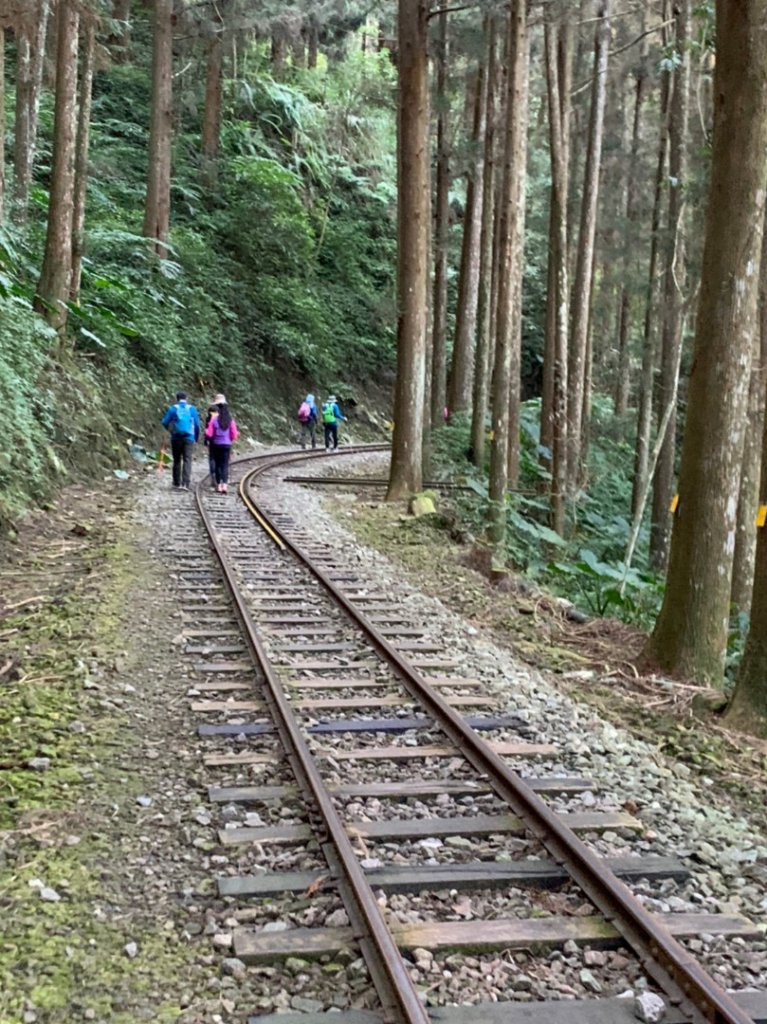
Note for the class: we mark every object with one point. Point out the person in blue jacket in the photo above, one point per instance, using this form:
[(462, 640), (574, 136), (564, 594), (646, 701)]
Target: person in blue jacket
[(183, 422), (331, 414)]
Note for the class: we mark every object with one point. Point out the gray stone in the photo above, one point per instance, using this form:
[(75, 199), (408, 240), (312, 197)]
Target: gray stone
[(588, 980), (76, 726), (275, 926), (223, 940), (459, 842), (649, 1007), (306, 1005), (144, 801), (131, 950), (39, 764), (234, 967), (48, 895), (338, 919)]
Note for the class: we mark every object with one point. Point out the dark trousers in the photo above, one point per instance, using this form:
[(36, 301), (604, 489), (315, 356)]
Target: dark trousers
[(309, 428), (182, 448), (211, 463), (331, 432), (221, 453)]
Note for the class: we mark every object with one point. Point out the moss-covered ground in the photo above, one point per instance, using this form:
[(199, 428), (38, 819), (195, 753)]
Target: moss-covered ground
[(67, 754)]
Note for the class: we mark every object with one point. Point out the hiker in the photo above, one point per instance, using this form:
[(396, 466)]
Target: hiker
[(222, 433), (212, 411), (183, 422), (307, 417), (331, 414)]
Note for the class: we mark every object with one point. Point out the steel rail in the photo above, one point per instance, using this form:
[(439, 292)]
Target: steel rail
[(395, 988), (676, 971)]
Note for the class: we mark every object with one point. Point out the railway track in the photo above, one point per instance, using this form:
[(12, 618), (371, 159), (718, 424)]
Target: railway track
[(324, 703)]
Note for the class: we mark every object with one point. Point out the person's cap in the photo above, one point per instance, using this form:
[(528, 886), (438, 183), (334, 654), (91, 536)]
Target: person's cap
[(219, 400), (180, 396), (332, 398)]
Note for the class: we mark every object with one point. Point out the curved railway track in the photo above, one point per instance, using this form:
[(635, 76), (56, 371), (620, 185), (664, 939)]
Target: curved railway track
[(322, 657)]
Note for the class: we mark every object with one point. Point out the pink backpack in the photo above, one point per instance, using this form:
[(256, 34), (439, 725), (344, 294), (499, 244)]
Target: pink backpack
[(304, 412)]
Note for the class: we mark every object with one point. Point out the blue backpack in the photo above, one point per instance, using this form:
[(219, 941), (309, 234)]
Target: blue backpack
[(183, 423)]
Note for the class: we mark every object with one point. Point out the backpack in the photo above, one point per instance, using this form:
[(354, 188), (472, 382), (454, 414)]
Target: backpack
[(304, 412), (328, 413), (183, 423)]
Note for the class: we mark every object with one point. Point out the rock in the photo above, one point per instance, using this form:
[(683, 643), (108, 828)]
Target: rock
[(459, 842), (39, 764), (275, 926), (588, 981), (306, 1005), (296, 965), (595, 958), (432, 843), (338, 919), (48, 895), (76, 726), (222, 940), (234, 967), (131, 950), (522, 984), (371, 864), (422, 505), (649, 1007), (144, 801)]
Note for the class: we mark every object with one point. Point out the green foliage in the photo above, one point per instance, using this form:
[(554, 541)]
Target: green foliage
[(279, 278), (587, 565)]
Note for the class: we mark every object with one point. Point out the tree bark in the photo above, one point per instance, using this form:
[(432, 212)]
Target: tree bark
[(673, 287), (313, 47), (748, 707), (22, 156), (623, 383), (442, 213), (509, 320), (81, 156), (119, 42), (690, 636), (558, 47), (584, 263), (211, 123), (2, 124), (55, 277), (482, 351), (157, 210), (462, 365), (412, 246), (748, 501), (647, 376)]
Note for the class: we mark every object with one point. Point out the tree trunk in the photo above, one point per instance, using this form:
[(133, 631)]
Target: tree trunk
[(439, 308), (509, 320), (2, 124), (690, 636), (313, 42), (673, 287), (462, 365), (412, 246), (211, 123), (157, 211), (482, 351), (584, 263), (748, 708), (558, 46), (119, 42), (623, 384), (22, 143), (748, 501), (55, 277), (279, 54), (647, 377), (81, 156)]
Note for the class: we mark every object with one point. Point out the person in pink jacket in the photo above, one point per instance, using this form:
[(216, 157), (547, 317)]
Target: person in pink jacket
[(221, 432)]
